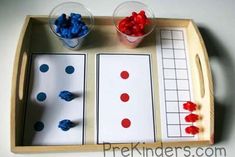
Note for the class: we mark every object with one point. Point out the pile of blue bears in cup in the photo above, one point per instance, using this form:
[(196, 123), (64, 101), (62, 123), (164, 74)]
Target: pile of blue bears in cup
[(71, 26)]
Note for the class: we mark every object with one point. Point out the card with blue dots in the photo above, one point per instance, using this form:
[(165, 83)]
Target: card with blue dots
[(56, 100)]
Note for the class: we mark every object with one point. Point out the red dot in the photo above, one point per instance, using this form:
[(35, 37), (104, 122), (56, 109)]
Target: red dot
[(124, 74), (125, 97), (126, 123)]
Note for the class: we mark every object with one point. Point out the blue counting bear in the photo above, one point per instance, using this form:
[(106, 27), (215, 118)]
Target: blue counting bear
[(71, 27), (60, 20), (66, 95), (65, 124)]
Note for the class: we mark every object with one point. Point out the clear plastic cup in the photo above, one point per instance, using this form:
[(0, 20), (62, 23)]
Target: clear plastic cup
[(68, 8), (125, 9)]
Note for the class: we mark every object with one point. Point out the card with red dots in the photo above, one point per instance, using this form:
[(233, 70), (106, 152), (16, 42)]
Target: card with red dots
[(124, 97), (175, 84), (49, 75)]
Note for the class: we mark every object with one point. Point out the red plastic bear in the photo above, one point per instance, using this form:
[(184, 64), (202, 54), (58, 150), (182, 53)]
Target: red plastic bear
[(190, 106), (191, 118), (192, 130)]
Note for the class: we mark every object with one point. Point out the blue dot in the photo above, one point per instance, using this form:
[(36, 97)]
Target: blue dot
[(44, 68), (41, 96), (69, 69), (38, 126)]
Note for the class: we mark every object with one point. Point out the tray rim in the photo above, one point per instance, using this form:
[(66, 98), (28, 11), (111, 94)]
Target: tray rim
[(94, 147)]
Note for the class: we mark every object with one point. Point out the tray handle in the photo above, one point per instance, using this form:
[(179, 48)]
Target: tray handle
[(21, 81), (201, 77), (202, 67), (202, 82), (204, 73), (18, 85)]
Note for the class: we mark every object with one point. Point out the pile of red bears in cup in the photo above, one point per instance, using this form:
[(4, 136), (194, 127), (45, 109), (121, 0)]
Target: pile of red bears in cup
[(134, 25)]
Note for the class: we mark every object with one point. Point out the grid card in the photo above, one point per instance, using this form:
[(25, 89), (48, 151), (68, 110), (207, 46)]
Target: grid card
[(174, 83), (124, 98), (49, 75)]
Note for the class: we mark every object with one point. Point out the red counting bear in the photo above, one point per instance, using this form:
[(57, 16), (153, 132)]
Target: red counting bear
[(134, 25), (191, 118), (190, 106), (192, 130)]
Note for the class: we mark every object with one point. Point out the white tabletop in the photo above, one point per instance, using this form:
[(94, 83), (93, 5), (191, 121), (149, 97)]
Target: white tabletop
[(216, 20)]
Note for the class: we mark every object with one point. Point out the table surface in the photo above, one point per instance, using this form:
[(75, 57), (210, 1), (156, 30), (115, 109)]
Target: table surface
[(215, 19)]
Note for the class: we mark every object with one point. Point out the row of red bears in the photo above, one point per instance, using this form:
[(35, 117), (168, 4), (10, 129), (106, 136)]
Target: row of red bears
[(190, 106)]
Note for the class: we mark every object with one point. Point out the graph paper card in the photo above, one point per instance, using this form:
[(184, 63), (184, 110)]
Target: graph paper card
[(175, 87)]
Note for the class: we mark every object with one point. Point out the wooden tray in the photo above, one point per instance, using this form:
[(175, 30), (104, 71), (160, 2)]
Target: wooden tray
[(36, 37)]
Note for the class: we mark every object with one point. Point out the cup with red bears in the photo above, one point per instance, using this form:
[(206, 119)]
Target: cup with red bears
[(133, 21)]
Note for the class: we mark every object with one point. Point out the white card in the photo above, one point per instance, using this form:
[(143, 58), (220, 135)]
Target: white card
[(175, 85), (119, 119), (49, 75)]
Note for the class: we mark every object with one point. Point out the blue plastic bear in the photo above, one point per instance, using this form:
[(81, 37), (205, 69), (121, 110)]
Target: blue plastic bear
[(65, 124), (66, 95)]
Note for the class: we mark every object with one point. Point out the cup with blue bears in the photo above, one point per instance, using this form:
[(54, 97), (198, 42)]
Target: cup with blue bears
[(71, 22)]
